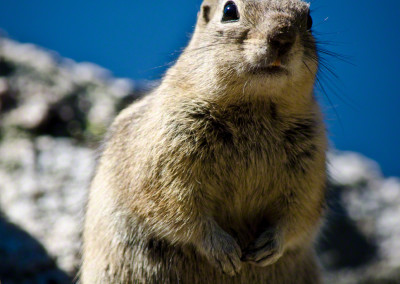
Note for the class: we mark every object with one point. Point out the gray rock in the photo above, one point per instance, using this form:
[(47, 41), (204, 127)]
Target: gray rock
[(44, 185), (361, 240), (45, 94)]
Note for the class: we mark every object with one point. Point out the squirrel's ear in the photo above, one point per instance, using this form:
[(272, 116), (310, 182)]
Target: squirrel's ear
[(207, 10)]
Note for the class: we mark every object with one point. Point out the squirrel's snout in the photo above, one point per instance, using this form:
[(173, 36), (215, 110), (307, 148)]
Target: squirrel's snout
[(275, 47), (273, 40), (281, 42)]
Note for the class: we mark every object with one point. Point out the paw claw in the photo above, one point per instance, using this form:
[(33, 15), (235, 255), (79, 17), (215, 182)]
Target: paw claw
[(224, 253), (266, 250)]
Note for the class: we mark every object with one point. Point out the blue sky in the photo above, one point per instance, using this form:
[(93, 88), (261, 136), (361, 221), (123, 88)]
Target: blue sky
[(136, 39)]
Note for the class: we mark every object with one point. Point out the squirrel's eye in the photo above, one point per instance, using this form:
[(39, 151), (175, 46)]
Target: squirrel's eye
[(309, 21), (231, 13)]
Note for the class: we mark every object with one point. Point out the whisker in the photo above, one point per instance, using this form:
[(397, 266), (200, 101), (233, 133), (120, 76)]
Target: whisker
[(322, 88)]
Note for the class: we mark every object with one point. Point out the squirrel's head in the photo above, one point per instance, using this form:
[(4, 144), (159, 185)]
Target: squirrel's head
[(264, 42)]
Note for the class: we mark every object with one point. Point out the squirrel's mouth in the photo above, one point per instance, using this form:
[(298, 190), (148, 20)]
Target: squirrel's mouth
[(269, 70), (275, 68)]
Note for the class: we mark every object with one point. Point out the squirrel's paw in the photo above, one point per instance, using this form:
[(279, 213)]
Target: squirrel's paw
[(265, 250), (223, 252)]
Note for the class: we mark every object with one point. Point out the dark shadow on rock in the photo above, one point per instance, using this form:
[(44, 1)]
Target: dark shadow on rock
[(24, 260), (342, 245), (6, 67), (67, 117), (8, 99)]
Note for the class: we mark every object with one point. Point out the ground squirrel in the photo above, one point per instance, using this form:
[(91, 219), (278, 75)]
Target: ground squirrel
[(218, 175)]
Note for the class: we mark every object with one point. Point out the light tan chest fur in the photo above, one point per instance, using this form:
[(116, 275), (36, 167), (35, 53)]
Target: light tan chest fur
[(250, 164)]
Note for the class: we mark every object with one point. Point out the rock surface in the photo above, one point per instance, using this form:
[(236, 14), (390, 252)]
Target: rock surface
[(361, 239), (53, 113)]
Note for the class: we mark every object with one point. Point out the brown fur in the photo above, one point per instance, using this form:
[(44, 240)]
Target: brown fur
[(218, 175)]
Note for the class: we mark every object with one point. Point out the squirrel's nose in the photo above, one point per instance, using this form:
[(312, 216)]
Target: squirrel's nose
[(282, 42)]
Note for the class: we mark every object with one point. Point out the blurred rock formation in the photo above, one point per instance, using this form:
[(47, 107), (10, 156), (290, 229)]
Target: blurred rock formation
[(53, 114)]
